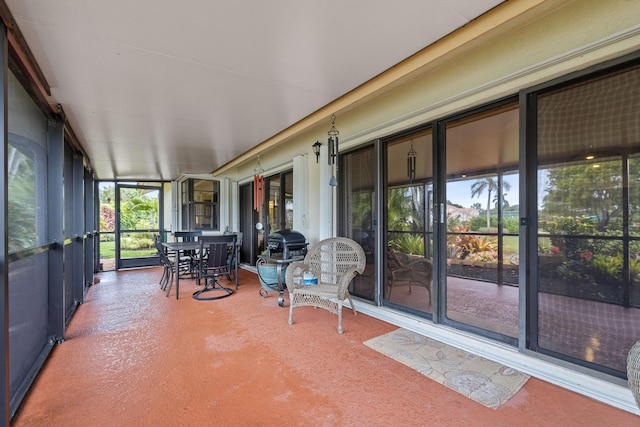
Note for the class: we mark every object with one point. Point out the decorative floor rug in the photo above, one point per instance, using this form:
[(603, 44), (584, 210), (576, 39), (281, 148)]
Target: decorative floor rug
[(475, 377)]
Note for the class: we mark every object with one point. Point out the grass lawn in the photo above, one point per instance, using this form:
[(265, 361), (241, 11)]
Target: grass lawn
[(510, 244), (108, 251)]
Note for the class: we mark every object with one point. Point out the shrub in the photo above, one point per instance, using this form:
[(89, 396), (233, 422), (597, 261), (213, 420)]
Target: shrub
[(570, 225), (408, 243), (574, 271), (606, 247), (634, 269), (463, 244), (107, 237), (484, 256), (478, 222), (608, 266), (137, 243), (454, 222), (475, 244), (560, 227), (511, 225)]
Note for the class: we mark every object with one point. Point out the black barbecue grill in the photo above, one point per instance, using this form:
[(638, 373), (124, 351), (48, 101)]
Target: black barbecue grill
[(287, 244)]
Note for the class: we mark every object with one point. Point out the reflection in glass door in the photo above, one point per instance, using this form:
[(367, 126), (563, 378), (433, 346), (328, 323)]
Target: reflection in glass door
[(409, 269), (138, 220), (276, 211), (588, 197), (274, 202), (632, 293), (358, 196), (482, 223)]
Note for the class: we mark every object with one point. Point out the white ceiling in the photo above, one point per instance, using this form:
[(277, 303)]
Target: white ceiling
[(154, 89)]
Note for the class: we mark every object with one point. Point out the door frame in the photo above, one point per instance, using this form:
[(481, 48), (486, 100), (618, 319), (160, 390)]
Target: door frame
[(141, 261)]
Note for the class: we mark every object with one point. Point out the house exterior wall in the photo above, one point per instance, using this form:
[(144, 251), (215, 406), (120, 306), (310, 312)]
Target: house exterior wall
[(546, 41)]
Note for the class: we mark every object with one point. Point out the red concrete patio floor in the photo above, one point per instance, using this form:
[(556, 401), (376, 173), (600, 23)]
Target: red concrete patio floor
[(133, 357)]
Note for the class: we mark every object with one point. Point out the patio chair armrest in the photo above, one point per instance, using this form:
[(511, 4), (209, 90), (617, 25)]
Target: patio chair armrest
[(294, 274), (343, 284)]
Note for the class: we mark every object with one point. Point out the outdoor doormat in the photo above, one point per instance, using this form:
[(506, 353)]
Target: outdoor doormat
[(475, 377)]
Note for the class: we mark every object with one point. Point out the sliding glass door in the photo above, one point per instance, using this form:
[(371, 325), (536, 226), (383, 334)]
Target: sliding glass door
[(518, 221), (409, 273), (587, 295), (467, 263), (358, 208), (274, 208), (481, 281)]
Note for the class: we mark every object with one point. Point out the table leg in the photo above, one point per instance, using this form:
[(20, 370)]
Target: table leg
[(236, 266), (280, 285), (177, 275)]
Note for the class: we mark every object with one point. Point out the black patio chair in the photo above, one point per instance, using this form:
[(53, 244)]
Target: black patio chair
[(213, 263), (188, 264), (166, 281), (234, 255)]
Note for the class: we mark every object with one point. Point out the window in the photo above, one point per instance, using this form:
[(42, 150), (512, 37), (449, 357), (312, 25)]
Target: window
[(200, 204)]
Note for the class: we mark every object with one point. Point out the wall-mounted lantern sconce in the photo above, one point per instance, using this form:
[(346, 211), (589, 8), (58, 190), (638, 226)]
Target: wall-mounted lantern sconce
[(411, 163), (332, 141), (316, 150)]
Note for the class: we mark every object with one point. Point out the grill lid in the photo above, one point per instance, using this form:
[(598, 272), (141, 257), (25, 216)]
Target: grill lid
[(287, 237), (287, 243)]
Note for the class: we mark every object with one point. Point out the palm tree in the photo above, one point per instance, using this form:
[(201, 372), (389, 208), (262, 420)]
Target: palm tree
[(399, 212), (490, 185)]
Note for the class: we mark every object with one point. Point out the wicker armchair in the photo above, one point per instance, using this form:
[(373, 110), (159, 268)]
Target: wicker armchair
[(334, 262), (633, 371)]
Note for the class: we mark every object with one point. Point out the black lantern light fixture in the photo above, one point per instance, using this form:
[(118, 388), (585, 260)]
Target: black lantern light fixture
[(332, 141), (316, 150), (411, 163)]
